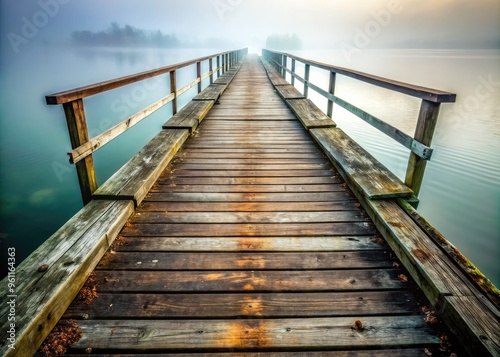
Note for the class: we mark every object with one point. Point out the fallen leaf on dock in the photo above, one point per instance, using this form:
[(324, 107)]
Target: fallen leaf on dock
[(62, 336), (358, 326), (403, 278)]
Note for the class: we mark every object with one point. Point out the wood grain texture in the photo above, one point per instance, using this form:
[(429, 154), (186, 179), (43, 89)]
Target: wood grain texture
[(373, 179), (251, 242), (70, 255), (136, 177)]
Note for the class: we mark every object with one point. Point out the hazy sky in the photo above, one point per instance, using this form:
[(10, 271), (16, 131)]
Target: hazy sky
[(248, 22)]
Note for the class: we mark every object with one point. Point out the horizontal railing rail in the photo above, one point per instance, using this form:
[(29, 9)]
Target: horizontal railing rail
[(419, 144), (72, 102)]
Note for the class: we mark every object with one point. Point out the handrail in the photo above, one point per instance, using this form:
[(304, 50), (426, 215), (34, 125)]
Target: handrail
[(419, 144), (72, 101)]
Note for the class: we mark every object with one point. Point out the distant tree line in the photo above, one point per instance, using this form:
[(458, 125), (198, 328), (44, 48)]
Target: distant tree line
[(284, 42), (127, 35)]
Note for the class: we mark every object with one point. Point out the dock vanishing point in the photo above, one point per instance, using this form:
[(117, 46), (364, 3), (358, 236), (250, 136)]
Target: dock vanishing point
[(251, 225)]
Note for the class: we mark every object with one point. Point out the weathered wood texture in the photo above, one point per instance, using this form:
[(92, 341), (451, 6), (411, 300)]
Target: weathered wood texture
[(50, 278), (250, 242), (135, 178), (358, 167)]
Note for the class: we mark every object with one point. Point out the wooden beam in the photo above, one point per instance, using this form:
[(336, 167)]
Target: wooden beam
[(426, 124), (78, 132), (69, 256), (173, 89)]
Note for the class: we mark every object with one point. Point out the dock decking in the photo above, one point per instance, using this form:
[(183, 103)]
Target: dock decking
[(250, 243)]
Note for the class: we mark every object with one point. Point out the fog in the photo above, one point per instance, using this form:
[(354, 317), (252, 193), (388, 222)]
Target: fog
[(317, 23)]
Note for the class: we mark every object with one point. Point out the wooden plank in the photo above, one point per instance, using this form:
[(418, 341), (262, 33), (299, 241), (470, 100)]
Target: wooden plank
[(152, 206), (407, 352), (251, 167), (163, 306), (309, 114), (248, 173), (435, 274), (258, 281), (159, 261), (251, 244), (331, 333), (212, 92), (249, 217), (476, 325), (289, 92), (136, 177), (249, 197), (249, 230), (247, 188), (69, 256), (189, 116), (202, 154), (358, 167)]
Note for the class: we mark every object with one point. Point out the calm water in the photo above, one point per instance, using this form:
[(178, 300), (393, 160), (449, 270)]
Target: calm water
[(460, 194)]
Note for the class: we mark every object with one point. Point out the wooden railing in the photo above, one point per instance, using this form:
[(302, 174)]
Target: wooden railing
[(419, 144), (72, 101)]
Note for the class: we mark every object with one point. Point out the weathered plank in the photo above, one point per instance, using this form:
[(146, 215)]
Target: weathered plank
[(309, 114), (249, 173), (358, 167), (320, 333), (155, 206), (189, 116), (261, 281), (252, 244), (249, 217), (289, 92), (164, 306), (249, 230), (313, 181), (212, 92), (407, 352), (68, 257), (135, 178), (247, 188), (475, 323), (248, 197), (245, 261)]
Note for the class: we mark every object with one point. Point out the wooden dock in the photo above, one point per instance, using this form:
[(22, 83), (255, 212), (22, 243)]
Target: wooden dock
[(251, 242)]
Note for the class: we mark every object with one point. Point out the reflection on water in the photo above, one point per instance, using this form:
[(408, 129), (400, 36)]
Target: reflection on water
[(460, 194)]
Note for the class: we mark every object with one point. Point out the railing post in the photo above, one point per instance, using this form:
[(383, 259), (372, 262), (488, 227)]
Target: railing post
[(210, 69), (331, 90), (223, 64), (284, 61), (198, 75), (218, 66), (78, 133), (227, 62), (427, 119), (306, 79), (292, 80), (173, 89)]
